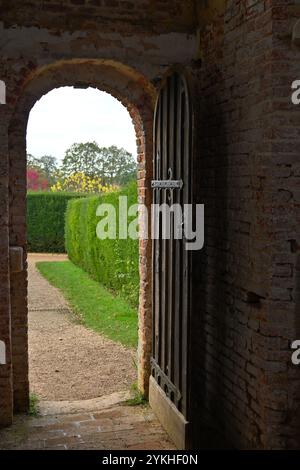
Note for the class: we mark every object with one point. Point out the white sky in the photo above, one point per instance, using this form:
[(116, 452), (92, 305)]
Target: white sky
[(66, 116)]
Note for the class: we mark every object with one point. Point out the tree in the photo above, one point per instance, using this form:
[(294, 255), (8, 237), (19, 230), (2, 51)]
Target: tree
[(32, 162), (45, 165), (119, 166), (36, 181), (49, 166), (113, 165), (81, 158), (81, 183)]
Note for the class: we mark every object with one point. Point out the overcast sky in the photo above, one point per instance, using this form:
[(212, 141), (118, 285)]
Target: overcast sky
[(67, 115)]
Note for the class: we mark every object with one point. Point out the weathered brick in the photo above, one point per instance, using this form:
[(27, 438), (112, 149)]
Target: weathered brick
[(248, 133)]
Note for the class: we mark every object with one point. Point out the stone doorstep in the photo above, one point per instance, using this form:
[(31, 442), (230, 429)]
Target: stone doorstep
[(107, 421), (50, 408), (75, 418)]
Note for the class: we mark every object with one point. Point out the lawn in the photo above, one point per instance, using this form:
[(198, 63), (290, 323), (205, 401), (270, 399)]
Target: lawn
[(97, 308)]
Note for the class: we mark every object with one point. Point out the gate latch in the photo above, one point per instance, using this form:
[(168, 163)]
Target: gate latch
[(167, 184)]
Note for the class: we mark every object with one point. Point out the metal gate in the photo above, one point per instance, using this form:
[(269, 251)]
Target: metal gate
[(169, 384)]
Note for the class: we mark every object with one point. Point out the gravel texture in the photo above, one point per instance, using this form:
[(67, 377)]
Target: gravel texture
[(67, 361)]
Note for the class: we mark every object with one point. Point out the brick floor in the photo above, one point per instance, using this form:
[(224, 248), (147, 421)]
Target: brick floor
[(105, 423), (116, 428)]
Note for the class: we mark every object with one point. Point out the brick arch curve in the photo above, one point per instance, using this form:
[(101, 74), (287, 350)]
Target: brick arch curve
[(138, 96)]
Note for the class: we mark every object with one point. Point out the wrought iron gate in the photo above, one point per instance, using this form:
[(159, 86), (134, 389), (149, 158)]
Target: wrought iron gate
[(169, 384)]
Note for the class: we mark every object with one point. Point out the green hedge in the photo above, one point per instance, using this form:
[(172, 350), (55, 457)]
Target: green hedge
[(114, 263), (46, 221)]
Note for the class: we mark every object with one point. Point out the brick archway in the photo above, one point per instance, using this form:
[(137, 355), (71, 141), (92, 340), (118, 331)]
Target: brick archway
[(138, 96)]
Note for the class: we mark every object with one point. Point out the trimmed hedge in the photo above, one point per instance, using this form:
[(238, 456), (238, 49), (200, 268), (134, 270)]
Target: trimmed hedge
[(46, 221), (114, 263)]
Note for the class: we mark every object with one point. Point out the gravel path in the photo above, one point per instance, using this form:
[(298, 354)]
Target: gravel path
[(66, 360)]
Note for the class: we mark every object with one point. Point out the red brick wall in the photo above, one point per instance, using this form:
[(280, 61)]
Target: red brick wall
[(284, 135), (245, 384), (6, 395), (127, 17)]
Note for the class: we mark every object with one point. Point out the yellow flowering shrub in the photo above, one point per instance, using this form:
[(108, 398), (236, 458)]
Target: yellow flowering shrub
[(82, 183)]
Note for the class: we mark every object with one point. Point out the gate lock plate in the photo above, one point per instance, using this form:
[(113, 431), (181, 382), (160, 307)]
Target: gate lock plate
[(166, 184)]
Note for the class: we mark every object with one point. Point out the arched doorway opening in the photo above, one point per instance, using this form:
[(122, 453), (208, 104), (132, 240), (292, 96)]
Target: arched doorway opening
[(138, 96), (82, 296)]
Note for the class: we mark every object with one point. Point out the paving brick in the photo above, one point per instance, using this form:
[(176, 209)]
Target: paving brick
[(42, 433)]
